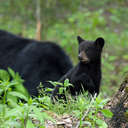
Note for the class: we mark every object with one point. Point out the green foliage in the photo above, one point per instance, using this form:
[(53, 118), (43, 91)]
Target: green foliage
[(11, 88), (83, 104), (29, 112), (17, 108), (64, 85), (92, 108), (22, 15)]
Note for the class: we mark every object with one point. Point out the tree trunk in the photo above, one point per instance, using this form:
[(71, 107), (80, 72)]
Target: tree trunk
[(119, 106), (38, 26), (38, 30)]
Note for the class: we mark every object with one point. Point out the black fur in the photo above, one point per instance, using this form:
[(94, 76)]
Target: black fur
[(34, 60), (86, 75)]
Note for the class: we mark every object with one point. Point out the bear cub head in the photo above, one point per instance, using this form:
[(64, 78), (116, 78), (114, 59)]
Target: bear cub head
[(90, 51)]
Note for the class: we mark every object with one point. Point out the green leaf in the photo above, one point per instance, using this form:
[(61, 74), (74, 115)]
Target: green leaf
[(112, 58), (18, 94), (61, 90), (14, 112), (20, 88), (10, 84), (87, 122), (66, 83), (4, 76), (55, 83), (11, 72), (49, 89), (107, 113), (1, 91), (41, 116), (101, 123), (2, 106), (30, 101), (30, 124), (12, 101)]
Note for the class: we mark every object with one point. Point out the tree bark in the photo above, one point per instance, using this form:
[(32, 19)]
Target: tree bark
[(119, 106), (38, 26), (38, 31)]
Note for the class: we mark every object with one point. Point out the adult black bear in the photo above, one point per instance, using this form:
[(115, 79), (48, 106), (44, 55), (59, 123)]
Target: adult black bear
[(35, 61), (86, 75)]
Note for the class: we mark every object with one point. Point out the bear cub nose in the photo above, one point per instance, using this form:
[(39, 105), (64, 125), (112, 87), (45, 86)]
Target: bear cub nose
[(79, 57)]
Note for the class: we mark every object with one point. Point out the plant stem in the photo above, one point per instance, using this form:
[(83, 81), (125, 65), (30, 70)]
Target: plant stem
[(85, 114)]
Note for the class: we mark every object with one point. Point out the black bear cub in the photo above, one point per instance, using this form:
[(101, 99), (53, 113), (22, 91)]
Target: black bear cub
[(86, 75)]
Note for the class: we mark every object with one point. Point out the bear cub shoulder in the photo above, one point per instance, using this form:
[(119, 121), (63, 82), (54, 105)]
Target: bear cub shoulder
[(86, 75)]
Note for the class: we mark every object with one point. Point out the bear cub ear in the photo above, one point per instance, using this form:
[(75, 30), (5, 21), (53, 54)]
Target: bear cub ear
[(79, 39), (100, 42)]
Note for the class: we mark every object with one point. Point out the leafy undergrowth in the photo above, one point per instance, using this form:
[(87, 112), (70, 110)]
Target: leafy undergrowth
[(18, 109)]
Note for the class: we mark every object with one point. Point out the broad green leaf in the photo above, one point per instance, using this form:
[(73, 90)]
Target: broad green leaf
[(101, 123), (12, 100), (15, 112), (30, 124), (107, 113), (4, 76), (18, 94)]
